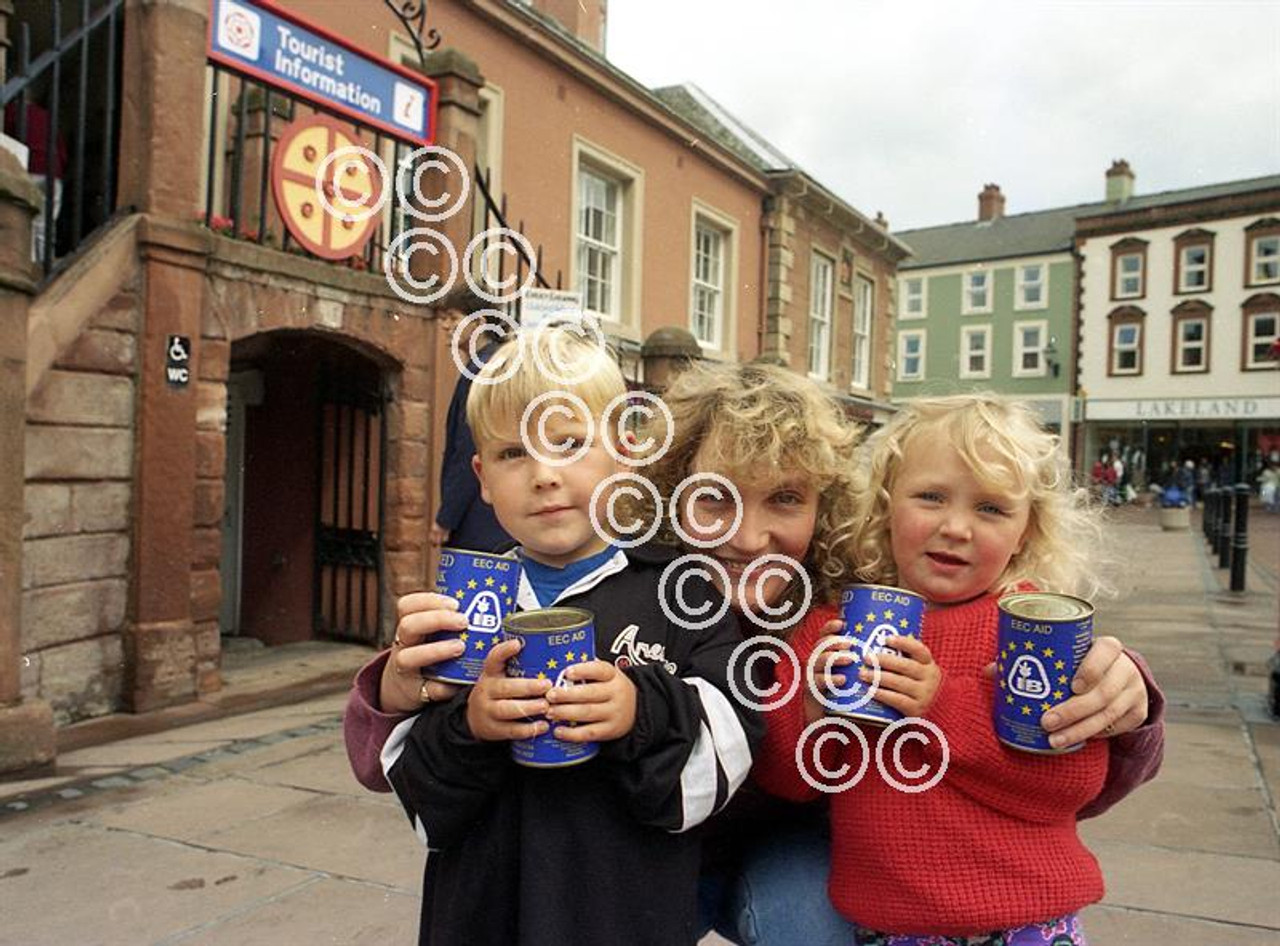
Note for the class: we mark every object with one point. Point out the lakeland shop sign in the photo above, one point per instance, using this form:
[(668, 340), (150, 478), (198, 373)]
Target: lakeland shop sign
[(273, 45), (1185, 408)]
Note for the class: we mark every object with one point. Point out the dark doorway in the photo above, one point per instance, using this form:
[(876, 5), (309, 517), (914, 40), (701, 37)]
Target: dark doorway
[(302, 542)]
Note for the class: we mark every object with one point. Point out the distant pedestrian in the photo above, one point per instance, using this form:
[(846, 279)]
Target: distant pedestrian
[(1187, 481), (464, 520), (1269, 487)]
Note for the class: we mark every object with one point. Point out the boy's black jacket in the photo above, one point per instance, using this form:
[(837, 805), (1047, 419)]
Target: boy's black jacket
[(607, 851)]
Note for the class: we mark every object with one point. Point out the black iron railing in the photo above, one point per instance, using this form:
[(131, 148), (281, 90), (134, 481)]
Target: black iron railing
[(240, 150), (61, 98)]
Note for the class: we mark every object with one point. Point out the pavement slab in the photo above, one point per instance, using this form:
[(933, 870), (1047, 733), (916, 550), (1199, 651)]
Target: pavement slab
[(326, 911), (325, 769), (1112, 926), (1191, 818), (347, 837), (90, 886), (1193, 884), (183, 812)]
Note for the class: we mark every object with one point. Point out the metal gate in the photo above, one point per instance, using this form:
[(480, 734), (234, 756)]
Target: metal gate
[(348, 599)]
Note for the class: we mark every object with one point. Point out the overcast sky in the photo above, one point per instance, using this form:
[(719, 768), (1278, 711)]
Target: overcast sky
[(910, 107)]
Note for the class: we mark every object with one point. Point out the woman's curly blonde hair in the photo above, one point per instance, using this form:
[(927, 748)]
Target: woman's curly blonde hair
[(1007, 449), (759, 421)]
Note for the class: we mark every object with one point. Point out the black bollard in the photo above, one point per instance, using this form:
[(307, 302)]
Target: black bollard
[(1224, 526), (1210, 513), (1240, 540)]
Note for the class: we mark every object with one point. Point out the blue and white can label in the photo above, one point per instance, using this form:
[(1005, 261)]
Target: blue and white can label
[(871, 614), (1042, 639), (485, 588), (554, 640)]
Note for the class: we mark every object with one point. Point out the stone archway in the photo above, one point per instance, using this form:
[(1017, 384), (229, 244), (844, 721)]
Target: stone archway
[(304, 486)]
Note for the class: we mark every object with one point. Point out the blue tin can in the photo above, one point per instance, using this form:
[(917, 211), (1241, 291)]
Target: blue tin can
[(1042, 639), (485, 588), (872, 613), (554, 640)]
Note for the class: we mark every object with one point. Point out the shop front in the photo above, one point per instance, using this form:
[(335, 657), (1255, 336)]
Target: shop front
[(1227, 439)]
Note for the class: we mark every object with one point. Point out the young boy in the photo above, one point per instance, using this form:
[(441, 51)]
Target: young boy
[(595, 852)]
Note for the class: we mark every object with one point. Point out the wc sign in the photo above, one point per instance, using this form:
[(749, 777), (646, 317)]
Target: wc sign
[(177, 363)]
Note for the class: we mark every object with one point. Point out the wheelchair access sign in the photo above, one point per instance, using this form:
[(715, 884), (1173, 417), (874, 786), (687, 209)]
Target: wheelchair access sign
[(177, 361)]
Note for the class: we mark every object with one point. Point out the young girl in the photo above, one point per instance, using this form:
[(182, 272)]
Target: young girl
[(966, 498)]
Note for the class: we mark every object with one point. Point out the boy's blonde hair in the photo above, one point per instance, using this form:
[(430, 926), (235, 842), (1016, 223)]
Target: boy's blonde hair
[(1063, 542), (762, 421), (554, 358)]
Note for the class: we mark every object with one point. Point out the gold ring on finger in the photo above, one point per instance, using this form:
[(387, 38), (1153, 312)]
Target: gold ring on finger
[(424, 691)]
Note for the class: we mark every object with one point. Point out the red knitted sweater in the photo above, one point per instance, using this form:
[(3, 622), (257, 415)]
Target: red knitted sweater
[(993, 845)]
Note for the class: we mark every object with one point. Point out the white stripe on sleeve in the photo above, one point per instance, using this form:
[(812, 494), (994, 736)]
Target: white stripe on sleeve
[(698, 782), (391, 752), (394, 746), (721, 743)]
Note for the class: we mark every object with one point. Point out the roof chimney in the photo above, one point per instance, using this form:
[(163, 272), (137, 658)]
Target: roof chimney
[(1119, 182), (585, 19), (990, 203), (881, 220)]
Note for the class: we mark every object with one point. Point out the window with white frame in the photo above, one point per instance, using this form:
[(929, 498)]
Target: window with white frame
[(1129, 276), (1126, 347), (708, 291), (913, 298), (599, 238), (977, 292), (1193, 268), (821, 286), (1264, 259), (975, 351), (1191, 344), (1261, 329), (1032, 286), (1028, 349), (863, 310), (911, 346), (1129, 269)]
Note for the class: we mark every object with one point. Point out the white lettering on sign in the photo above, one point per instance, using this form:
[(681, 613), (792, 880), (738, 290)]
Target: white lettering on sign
[(315, 53), (569, 637), (892, 597), (1030, 627), (177, 375), (1226, 407)]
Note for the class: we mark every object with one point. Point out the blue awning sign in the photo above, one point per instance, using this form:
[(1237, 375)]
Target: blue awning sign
[(274, 45)]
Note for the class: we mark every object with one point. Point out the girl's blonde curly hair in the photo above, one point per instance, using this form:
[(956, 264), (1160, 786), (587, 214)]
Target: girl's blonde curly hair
[(758, 422), (1006, 448)]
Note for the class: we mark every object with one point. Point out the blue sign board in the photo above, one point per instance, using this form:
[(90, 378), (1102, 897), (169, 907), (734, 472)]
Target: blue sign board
[(259, 39)]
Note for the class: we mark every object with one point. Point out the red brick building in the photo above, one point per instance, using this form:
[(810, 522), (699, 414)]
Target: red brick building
[(283, 491)]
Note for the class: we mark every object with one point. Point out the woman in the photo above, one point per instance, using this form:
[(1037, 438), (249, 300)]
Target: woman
[(787, 449)]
